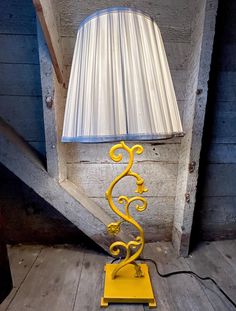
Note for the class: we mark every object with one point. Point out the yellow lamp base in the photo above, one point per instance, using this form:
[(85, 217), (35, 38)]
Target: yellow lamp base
[(126, 287)]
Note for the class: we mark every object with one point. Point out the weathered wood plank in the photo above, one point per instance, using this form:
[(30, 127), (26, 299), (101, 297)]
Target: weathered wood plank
[(52, 281), (16, 155), (228, 250), (88, 297), (217, 218), (206, 260), (21, 259), (162, 293), (225, 86), (188, 296), (99, 153), (20, 79), (223, 186), (17, 17), (225, 106), (66, 275), (25, 115), (18, 49), (47, 20), (160, 179), (224, 125), (218, 210), (226, 61), (221, 153)]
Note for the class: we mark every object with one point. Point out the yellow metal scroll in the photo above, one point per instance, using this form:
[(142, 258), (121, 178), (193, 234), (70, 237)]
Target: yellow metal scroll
[(113, 228), (125, 281)]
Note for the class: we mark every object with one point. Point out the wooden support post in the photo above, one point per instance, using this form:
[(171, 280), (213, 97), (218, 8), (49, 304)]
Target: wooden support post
[(193, 124), (53, 96), (46, 16)]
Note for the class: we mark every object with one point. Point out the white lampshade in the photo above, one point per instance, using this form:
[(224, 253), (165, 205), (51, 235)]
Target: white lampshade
[(120, 84)]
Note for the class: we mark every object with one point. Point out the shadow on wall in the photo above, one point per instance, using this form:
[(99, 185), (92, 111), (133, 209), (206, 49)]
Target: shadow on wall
[(215, 213), (29, 219)]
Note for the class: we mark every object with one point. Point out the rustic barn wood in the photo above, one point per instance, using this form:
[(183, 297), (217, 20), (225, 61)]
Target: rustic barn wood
[(47, 20), (228, 250), (17, 25), (49, 103), (16, 155), (20, 94), (184, 296), (70, 279), (215, 207), (206, 260), (193, 121), (21, 260), (52, 282)]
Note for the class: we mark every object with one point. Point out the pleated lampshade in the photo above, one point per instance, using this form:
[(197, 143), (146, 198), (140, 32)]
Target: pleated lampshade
[(120, 85)]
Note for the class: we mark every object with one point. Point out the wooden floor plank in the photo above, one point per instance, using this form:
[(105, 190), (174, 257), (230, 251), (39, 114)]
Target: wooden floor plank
[(21, 259), (71, 279), (206, 260), (182, 292), (91, 288), (228, 250), (160, 286), (52, 281)]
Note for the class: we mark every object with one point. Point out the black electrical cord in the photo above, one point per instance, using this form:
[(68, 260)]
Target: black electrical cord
[(207, 278)]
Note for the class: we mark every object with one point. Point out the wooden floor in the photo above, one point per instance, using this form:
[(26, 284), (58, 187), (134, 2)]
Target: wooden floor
[(67, 278)]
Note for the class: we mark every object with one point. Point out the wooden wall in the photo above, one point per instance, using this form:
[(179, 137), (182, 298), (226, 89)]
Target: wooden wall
[(89, 165), (20, 87), (28, 218), (215, 216)]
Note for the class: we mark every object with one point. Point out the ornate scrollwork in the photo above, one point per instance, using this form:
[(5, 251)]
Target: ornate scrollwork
[(133, 248)]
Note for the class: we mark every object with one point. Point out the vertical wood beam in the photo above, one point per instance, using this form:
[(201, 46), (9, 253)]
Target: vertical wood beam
[(44, 10), (194, 118), (53, 96)]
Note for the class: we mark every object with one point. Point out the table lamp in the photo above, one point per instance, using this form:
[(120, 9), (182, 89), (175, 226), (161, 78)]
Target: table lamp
[(120, 89)]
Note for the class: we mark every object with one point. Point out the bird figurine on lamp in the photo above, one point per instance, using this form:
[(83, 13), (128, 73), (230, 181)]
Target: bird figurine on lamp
[(120, 89)]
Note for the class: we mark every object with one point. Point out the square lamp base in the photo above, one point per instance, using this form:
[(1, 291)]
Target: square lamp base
[(126, 287)]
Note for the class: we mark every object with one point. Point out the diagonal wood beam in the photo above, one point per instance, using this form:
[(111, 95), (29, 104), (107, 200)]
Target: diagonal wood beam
[(66, 197), (46, 16)]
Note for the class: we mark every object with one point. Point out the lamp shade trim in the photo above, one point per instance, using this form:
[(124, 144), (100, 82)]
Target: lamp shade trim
[(110, 138), (112, 10)]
